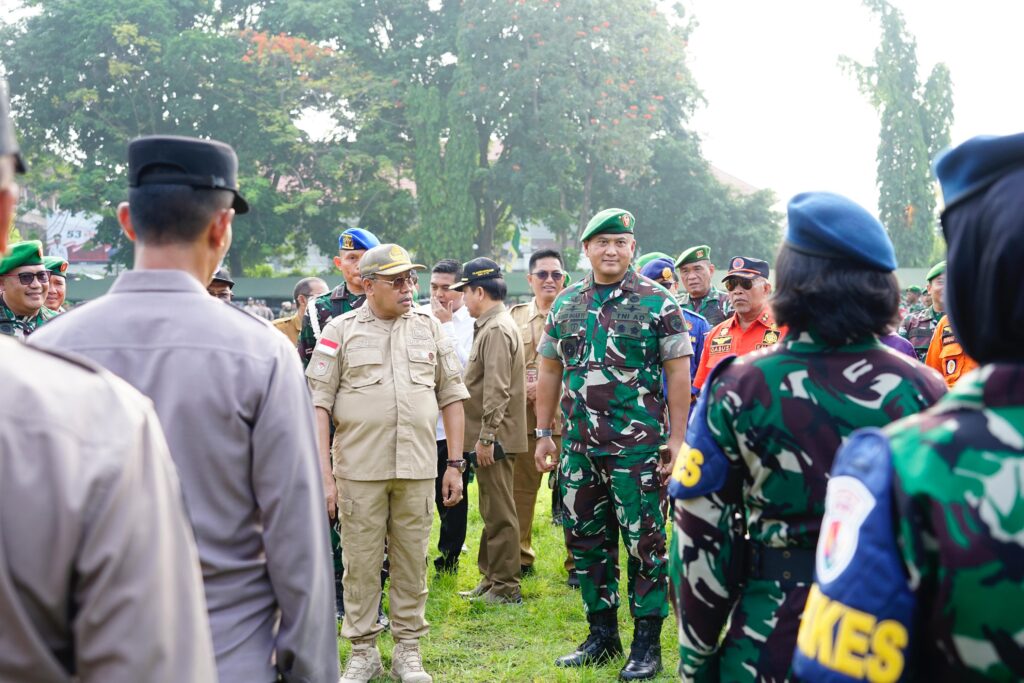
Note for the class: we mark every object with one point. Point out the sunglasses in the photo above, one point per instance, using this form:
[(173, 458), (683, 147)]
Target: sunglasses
[(555, 275), (732, 283), (400, 282), (26, 278)]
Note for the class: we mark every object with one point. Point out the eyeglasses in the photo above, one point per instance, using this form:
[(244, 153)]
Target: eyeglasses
[(555, 275), (732, 283), (400, 282), (26, 278)]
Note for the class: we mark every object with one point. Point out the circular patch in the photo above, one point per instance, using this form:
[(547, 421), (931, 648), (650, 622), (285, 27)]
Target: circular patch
[(320, 368), (737, 263), (950, 366), (675, 323), (847, 504)]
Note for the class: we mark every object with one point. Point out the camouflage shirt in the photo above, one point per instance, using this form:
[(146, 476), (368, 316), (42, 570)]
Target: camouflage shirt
[(21, 326), (918, 329), (778, 415), (612, 342), (331, 305), (715, 307)]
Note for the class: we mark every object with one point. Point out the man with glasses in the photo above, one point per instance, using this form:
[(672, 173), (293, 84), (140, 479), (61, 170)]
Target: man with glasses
[(381, 373), (222, 286), (547, 279), (25, 281), (751, 326), (918, 328)]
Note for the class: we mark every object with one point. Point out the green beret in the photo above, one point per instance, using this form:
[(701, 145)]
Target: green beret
[(914, 289), (22, 254), (937, 270), (609, 221), (701, 252), (647, 258), (56, 265)]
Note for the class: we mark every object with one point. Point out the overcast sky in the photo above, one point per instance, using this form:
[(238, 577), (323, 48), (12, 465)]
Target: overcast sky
[(780, 113)]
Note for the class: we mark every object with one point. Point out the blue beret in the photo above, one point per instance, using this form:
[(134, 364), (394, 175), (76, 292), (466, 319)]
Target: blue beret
[(659, 270), (357, 238), (973, 166), (832, 226)]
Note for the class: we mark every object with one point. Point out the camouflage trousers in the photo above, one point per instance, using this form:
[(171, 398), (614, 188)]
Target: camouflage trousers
[(603, 497)]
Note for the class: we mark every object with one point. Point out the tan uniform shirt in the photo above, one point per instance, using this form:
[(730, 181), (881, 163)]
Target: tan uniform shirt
[(384, 381), (232, 401), (530, 321), (290, 327), (91, 516), (496, 379)]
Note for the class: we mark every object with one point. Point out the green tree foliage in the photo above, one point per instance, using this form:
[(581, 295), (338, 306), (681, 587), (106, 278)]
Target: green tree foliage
[(915, 120)]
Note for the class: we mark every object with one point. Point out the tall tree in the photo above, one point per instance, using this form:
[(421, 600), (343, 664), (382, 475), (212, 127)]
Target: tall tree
[(915, 121)]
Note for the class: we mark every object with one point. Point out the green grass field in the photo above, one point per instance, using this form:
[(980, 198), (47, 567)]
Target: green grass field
[(472, 643)]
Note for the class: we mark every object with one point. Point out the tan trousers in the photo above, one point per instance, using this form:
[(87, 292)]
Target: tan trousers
[(525, 484), (402, 511), (498, 558)]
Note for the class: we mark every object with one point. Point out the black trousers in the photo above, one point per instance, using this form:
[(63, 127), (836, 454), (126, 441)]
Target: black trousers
[(453, 519)]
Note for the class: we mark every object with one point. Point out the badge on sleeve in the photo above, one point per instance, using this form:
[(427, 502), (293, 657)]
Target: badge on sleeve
[(327, 347), (848, 503), (320, 368)]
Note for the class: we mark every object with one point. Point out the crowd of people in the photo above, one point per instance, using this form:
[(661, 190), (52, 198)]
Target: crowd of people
[(836, 515)]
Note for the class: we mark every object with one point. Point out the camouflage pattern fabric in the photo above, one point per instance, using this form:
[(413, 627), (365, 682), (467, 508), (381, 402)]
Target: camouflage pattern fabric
[(778, 415), (612, 342), (330, 305), (960, 503), (918, 328), (21, 327), (715, 307), (603, 496)]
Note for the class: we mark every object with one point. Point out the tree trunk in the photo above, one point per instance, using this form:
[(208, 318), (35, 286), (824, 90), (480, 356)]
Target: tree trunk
[(585, 209)]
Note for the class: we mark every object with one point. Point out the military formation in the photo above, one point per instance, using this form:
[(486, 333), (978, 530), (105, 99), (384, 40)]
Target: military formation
[(779, 459)]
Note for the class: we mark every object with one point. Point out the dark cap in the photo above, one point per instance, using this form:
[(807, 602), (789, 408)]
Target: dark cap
[(829, 225), (476, 270), (8, 140), (222, 275), (660, 270), (355, 239), (747, 268), (973, 166), (201, 164)]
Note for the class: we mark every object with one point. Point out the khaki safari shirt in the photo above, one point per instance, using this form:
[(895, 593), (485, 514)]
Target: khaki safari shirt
[(496, 379), (530, 321), (384, 381), (290, 327)]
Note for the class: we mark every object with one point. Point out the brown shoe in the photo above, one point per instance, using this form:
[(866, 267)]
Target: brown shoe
[(492, 598), (480, 589)]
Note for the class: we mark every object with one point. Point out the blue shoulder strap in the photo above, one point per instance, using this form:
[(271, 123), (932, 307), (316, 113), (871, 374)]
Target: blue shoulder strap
[(857, 624), (701, 467)]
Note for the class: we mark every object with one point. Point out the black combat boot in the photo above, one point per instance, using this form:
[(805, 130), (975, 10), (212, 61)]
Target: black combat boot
[(600, 646), (339, 598), (645, 653)]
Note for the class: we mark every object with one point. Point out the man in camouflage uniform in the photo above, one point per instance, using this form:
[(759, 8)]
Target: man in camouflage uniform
[(607, 340), (931, 564), (750, 488), (919, 327), (699, 295), (25, 282)]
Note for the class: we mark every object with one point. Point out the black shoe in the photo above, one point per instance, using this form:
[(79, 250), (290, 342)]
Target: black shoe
[(339, 598), (601, 645), (526, 570), (645, 653), (574, 580), (443, 565)]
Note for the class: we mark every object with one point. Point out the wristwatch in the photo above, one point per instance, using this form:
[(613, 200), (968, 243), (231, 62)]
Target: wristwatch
[(487, 442), (460, 465), (542, 433)]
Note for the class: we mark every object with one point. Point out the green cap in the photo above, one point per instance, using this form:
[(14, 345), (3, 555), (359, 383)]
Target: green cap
[(647, 258), (914, 289), (612, 221), (386, 259), (56, 265), (937, 270), (701, 252), (22, 254)]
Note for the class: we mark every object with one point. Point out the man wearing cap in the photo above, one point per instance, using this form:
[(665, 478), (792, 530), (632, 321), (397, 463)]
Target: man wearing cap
[(607, 341), (496, 426), (749, 489), (230, 393), (751, 325), (918, 328), (381, 373), (913, 299), (307, 289), (92, 519), (57, 291), (24, 283), (943, 570), (651, 256), (347, 296), (695, 271), (222, 286)]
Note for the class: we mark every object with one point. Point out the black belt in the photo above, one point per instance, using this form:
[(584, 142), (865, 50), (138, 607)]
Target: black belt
[(785, 565)]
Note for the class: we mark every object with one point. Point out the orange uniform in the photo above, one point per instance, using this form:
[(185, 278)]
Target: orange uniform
[(727, 338), (946, 355)]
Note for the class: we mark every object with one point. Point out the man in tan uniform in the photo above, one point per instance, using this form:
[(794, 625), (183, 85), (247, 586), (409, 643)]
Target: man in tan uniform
[(496, 425), (382, 372), (547, 278), (97, 499), (307, 289)]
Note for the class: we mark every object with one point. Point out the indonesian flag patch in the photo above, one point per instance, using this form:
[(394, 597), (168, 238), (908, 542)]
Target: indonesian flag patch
[(327, 347)]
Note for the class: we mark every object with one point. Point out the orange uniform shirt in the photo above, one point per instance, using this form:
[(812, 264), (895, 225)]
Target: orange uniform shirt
[(946, 355), (727, 338)]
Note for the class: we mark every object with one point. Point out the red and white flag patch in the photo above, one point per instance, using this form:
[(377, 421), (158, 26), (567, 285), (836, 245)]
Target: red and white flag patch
[(327, 347)]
